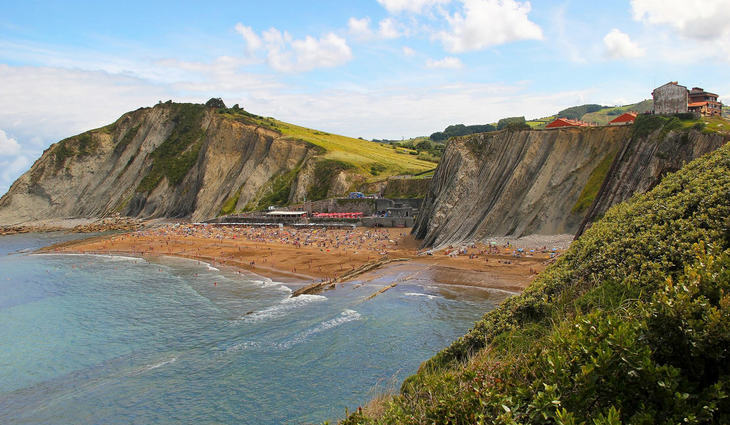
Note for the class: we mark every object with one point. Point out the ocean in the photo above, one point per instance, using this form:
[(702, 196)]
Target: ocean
[(91, 339)]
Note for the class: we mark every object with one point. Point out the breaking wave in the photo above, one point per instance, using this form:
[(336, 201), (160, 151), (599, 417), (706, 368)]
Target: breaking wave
[(286, 306), (344, 317)]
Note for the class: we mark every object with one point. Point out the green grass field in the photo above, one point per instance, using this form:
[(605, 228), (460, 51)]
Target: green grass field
[(605, 115), (540, 123), (362, 154)]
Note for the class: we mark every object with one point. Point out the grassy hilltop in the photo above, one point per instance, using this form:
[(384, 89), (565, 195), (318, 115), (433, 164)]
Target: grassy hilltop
[(374, 159), (631, 325)]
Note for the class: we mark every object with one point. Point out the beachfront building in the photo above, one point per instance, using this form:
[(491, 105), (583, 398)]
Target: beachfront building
[(671, 98), (565, 122), (624, 119), (704, 103)]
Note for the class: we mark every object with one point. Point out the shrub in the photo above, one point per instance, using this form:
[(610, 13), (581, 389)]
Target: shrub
[(630, 325), (215, 102), (504, 122), (324, 172), (178, 153)]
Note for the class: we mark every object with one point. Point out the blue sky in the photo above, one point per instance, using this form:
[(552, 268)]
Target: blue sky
[(368, 68)]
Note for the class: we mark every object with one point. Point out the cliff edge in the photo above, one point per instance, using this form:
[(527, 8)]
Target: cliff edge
[(549, 182), (192, 161)]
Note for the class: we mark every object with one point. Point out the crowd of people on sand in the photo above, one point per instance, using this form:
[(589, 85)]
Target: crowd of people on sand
[(373, 243), (356, 239)]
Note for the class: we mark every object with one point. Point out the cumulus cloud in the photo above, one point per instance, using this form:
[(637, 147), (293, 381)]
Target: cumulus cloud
[(698, 19), (8, 145), (328, 51), (415, 6), (253, 41), (285, 54), (619, 46), (360, 28), (388, 28), (11, 169), (485, 23), (407, 51), (448, 62)]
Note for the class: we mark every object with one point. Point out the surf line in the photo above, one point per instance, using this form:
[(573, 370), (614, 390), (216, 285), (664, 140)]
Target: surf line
[(318, 287), (394, 284)]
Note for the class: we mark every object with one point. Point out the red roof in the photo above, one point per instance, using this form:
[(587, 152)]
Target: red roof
[(625, 117), (564, 122)]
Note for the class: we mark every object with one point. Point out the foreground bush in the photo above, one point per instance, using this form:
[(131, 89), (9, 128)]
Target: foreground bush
[(631, 325)]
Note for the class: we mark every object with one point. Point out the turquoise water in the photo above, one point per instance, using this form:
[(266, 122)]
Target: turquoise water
[(119, 340)]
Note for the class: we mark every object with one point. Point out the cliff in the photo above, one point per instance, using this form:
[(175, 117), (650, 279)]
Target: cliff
[(515, 183), (189, 161), (628, 326)]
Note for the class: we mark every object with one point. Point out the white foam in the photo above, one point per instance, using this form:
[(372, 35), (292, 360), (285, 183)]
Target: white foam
[(418, 294), (243, 346), (212, 268), (265, 282), (154, 366), (344, 317), (106, 256), (282, 309)]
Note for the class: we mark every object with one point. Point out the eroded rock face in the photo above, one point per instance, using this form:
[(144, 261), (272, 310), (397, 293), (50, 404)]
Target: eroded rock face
[(545, 182), (110, 170), (643, 161)]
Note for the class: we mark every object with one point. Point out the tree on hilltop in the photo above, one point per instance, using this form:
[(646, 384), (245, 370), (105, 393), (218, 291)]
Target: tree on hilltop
[(215, 102)]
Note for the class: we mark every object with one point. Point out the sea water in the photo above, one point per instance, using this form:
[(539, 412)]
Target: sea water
[(93, 339)]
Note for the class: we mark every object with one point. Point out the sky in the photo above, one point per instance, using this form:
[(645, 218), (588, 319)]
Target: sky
[(367, 68)]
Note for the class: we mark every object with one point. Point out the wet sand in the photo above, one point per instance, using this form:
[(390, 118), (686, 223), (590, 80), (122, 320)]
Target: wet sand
[(307, 255)]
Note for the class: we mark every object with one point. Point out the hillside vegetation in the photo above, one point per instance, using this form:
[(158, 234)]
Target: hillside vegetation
[(631, 325), (592, 113), (372, 158)]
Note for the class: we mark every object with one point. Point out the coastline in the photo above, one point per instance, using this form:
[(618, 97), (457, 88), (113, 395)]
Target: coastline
[(330, 260)]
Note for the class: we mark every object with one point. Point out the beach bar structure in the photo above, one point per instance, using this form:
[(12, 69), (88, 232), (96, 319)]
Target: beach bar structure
[(287, 214), (346, 215)]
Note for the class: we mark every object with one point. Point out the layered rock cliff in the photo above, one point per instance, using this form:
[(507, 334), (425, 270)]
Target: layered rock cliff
[(548, 182), (173, 160)]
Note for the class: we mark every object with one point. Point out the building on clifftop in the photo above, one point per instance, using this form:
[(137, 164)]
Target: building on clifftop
[(671, 98), (564, 122), (624, 119), (704, 103)]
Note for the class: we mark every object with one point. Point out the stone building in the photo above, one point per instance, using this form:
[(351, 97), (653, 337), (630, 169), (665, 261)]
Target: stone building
[(671, 98), (704, 103)]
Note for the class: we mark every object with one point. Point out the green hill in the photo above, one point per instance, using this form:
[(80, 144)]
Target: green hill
[(590, 113), (606, 114), (373, 159), (631, 325)]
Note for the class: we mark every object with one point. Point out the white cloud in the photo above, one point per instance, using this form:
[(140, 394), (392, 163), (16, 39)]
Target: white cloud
[(415, 6), (387, 29), (485, 23), (11, 169), (360, 28), (698, 19), (407, 51), (285, 54), (448, 62), (619, 46), (328, 51), (8, 145), (253, 41)]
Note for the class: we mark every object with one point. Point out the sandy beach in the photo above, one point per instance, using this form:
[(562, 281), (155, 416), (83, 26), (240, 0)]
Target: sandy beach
[(307, 255)]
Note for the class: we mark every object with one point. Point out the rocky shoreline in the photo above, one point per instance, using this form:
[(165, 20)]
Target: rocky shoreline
[(107, 224)]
